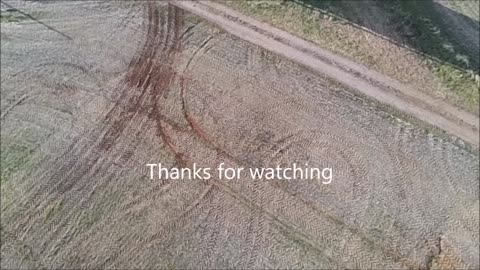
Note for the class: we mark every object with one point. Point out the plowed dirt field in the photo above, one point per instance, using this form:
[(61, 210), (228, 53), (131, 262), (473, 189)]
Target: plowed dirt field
[(93, 91)]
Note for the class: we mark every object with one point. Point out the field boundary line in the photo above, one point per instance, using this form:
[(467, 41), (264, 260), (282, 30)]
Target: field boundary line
[(433, 111)]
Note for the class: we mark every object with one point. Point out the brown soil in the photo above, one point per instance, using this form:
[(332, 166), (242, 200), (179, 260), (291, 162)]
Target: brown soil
[(146, 82)]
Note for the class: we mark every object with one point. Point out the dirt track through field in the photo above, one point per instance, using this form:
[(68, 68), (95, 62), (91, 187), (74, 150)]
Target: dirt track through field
[(374, 85), (152, 83)]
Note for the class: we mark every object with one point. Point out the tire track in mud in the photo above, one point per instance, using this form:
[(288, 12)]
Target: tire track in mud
[(255, 229), (192, 211), (256, 226), (352, 159), (216, 226), (300, 51), (352, 162), (84, 167), (258, 208), (347, 156), (76, 164), (82, 160), (140, 76), (78, 150)]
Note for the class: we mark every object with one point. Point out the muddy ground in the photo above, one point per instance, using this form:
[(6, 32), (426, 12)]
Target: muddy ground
[(93, 91)]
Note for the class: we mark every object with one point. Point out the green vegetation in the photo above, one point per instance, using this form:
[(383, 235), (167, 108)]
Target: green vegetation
[(301, 21), (463, 84), (426, 31), (383, 35), (14, 157), (11, 16), (417, 22)]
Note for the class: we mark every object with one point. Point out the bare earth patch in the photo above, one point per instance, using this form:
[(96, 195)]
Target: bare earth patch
[(110, 86)]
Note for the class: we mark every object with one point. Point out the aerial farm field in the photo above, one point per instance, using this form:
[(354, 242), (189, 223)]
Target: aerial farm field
[(430, 44), (92, 91)]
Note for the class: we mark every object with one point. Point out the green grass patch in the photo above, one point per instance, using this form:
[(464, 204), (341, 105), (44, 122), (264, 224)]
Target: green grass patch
[(425, 31), (420, 27), (11, 16), (14, 157), (464, 85)]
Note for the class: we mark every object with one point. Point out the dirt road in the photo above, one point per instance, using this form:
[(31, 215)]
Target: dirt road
[(118, 85), (370, 83)]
